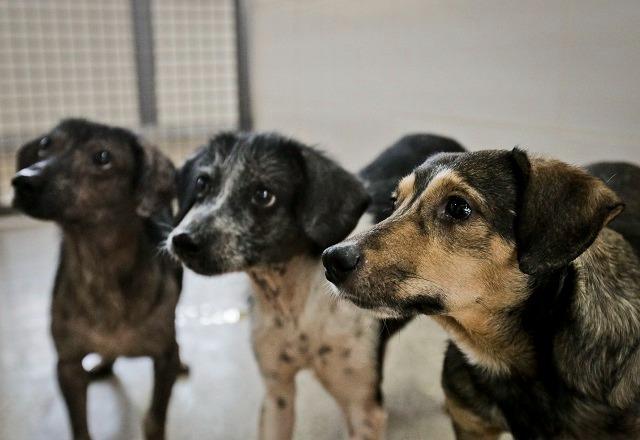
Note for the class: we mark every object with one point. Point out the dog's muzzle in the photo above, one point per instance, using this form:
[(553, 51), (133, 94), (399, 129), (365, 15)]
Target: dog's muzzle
[(185, 245), (340, 261), (28, 181), (29, 186)]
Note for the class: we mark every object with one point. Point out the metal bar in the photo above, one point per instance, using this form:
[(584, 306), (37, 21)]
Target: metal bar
[(245, 119), (145, 61)]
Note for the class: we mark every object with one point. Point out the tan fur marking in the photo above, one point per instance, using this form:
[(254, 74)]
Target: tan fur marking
[(448, 182), (468, 425), (406, 187), (467, 265), (478, 298)]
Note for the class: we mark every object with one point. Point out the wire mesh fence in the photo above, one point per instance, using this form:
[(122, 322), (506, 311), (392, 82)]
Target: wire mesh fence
[(86, 58)]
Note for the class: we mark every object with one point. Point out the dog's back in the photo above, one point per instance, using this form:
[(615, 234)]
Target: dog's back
[(624, 179)]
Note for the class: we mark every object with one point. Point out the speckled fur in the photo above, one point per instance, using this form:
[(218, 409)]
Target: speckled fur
[(296, 322), (296, 325)]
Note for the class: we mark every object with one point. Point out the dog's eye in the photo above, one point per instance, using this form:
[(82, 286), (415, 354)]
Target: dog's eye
[(458, 208), (264, 198), (44, 145), (102, 158), (202, 184)]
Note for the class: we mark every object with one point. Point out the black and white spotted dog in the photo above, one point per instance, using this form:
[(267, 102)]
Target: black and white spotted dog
[(268, 205)]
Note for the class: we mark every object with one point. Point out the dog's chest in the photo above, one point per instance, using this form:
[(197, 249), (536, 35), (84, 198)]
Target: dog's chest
[(147, 338), (105, 317), (320, 334)]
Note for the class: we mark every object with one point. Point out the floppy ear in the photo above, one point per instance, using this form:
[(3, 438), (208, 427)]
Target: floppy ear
[(333, 200), (156, 183), (562, 210), (186, 185)]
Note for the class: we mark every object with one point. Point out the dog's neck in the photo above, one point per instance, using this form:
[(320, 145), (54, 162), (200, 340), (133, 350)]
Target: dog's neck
[(491, 340), (595, 301), (104, 248), (285, 287), (487, 330)]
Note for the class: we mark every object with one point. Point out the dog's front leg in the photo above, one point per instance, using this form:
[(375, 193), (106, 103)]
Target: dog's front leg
[(165, 370), (365, 419), (73, 381), (354, 390), (277, 414), (469, 426)]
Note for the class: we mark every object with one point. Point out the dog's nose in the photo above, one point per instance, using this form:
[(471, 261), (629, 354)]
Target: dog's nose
[(339, 261), (184, 243), (27, 181)]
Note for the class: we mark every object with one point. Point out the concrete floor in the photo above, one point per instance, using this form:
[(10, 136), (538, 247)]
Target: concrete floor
[(221, 397)]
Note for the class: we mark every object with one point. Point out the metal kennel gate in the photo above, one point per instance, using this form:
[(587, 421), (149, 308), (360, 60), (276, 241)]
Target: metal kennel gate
[(174, 70)]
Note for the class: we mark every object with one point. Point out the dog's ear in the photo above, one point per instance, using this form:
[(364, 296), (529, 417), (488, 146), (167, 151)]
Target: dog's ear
[(186, 184), (332, 202), (156, 185), (561, 211)]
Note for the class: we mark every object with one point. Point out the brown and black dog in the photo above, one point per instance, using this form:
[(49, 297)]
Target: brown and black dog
[(114, 293), (517, 259)]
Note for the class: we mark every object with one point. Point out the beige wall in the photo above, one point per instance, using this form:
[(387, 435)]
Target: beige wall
[(558, 77)]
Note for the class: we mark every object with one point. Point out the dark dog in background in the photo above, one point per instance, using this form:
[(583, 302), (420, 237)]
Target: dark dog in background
[(268, 205), (513, 257), (114, 293)]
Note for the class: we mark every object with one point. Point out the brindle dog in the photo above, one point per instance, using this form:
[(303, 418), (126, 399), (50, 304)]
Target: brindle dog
[(512, 255), (114, 293), (269, 205)]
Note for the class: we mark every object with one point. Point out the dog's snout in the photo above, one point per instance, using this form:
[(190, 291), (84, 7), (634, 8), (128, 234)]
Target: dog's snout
[(185, 243), (339, 261), (28, 180)]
